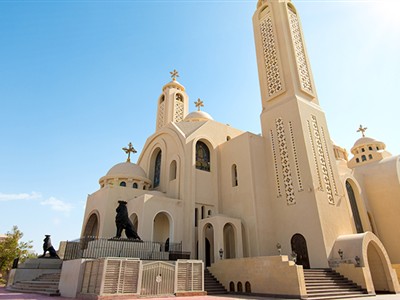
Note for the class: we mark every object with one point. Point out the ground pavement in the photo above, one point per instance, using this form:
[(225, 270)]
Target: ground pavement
[(6, 295)]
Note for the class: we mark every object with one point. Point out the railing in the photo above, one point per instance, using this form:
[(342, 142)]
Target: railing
[(94, 247)]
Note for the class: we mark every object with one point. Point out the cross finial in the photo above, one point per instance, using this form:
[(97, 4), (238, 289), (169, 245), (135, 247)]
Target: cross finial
[(174, 74), (362, 130), (199, 103), (128, 151)]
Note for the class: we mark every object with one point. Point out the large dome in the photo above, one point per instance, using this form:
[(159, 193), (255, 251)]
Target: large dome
[(127, 169), (198, 116)]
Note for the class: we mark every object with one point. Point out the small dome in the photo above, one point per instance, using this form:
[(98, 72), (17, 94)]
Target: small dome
[(198, 116), (364, 141), (174, 84), (127, 169)]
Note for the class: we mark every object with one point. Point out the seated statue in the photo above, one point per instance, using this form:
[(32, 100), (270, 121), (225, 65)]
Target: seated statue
[(47, 246), (123, 222)]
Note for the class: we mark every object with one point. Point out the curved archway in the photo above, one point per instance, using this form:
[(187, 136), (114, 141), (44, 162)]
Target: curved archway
[(247, 287), (229, 241), (209, 244), (239, 287), (354, 208), (231, 286), (203, 159), (92, 225), (135, 221), (299, 247), (162, 227)]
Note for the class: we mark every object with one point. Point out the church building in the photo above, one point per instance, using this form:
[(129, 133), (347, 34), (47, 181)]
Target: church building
[(238, 200)]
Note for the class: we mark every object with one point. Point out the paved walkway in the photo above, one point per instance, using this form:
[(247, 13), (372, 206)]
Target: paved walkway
[(6, 295)]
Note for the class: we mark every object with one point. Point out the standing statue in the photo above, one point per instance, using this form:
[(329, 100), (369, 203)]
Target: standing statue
[(123, 222), (47, 246)]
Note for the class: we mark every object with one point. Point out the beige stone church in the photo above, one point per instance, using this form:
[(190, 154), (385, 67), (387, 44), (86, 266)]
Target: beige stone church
[(243, 202)]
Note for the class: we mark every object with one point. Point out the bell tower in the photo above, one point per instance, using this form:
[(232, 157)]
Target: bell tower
[(173, 103), (304, 185)]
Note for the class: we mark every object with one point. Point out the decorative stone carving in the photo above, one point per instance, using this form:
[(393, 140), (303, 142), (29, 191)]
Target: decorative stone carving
[(301, 58), (278, 184), (271, 58), (285, 162)]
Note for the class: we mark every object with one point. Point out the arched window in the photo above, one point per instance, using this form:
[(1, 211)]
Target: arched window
[(231, 286), (179, 97), (247, 287), (234, 176), (354, 208), (134, 185), (370, 156), (357, 160), (157, 170), (239, 287), (162, 98), (363, 158), (370, 148), (202, 157), (122, 183), (172, 170)]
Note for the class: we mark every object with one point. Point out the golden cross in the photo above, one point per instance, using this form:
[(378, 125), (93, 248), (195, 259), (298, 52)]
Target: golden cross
[(128, 151), (199, 103), (362, 130), (174, 74)]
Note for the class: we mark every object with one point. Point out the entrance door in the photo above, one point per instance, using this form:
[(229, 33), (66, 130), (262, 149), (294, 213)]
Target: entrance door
[(299, 246), (208, 253)]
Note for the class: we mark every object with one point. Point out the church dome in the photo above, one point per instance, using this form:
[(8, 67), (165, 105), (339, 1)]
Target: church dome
[(126, 174), (174, 84), (366, 141), (198, 116), (127, 169)]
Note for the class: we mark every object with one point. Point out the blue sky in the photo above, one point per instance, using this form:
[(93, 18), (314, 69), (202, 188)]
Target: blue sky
[(80, 79)]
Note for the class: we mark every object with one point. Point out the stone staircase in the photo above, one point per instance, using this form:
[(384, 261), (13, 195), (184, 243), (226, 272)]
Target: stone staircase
[(328, 284), (211, 285), (46, 284)]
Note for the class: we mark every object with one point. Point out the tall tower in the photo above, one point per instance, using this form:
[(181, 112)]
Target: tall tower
[(307, 197), (173, 103)]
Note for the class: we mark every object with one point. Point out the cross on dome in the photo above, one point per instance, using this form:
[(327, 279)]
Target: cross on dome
[(199, 103), (174, 74), (362, 130), (128, 151)]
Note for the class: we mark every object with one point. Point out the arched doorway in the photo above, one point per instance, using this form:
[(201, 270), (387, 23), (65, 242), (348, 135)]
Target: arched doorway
[(299, 246), (377, 269), (208, 253), (92, 226), (209, 244), (135, 221), (229, 241), (161, 228), (354, 208)]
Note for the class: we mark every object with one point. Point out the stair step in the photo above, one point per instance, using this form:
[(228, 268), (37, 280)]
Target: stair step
[(327, 284), (211, 285)]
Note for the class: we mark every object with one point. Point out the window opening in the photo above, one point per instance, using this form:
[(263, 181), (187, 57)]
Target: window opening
[(157, 170), (123, 183), (202, 157)]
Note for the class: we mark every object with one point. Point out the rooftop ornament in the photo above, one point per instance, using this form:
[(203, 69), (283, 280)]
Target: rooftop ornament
[(174, 74), (362, 130), (128, 151), (199, 103)]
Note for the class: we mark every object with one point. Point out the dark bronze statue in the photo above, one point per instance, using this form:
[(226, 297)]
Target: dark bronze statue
[(47, 246), (123, 222)]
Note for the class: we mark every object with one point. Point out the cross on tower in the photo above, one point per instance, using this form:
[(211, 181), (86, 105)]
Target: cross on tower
[(199, 103), (362, 130), (174, 74), (128, 151)]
